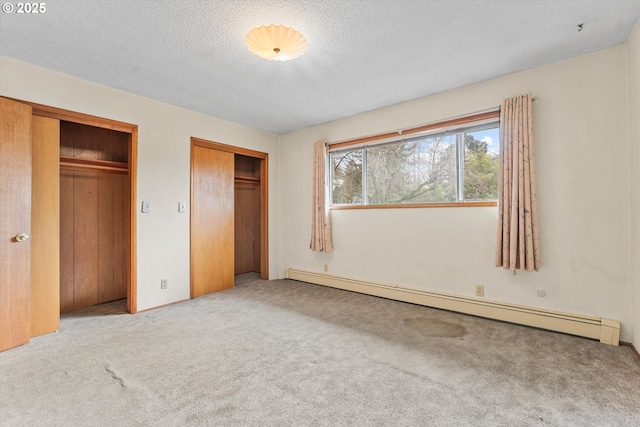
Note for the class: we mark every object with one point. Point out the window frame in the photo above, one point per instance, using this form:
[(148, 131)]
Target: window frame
[(457, 125)]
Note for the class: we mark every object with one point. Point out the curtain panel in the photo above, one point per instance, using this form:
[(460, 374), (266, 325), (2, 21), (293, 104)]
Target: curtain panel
[(518, 241), (320, 220)]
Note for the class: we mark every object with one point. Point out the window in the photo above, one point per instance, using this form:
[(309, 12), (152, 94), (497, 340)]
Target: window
[(444, 166)]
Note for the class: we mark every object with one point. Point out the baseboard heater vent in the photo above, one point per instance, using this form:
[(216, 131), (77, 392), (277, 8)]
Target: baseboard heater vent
[(605, 330)]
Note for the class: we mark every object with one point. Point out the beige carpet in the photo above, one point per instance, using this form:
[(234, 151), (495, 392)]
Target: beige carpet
[(286, 353)]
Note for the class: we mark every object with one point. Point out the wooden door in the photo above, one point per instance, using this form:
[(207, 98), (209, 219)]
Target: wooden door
[(45, 226), (212, 211), (15, 223)]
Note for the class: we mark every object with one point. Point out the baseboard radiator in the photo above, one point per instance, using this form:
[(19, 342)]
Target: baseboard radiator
[(605, 330)]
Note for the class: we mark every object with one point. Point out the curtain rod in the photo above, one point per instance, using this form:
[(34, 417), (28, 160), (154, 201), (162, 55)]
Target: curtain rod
[(485, 115), (373, 137), (410, 129)]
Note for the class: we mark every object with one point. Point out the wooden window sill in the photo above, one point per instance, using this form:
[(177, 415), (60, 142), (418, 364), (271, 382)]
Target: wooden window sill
[(419, 205)]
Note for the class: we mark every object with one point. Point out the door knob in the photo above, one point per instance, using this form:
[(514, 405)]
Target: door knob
[(22, 237)]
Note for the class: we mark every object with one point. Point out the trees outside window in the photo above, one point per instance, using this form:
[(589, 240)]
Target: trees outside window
[(439, 168)]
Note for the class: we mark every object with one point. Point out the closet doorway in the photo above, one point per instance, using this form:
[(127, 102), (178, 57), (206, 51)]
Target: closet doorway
[(31, 140), (56, 142), (94, 221), (95, 176), (229, 215)]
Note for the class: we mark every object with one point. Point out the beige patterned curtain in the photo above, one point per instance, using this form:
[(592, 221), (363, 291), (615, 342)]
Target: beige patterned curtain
[(321, 221), (518, 242)]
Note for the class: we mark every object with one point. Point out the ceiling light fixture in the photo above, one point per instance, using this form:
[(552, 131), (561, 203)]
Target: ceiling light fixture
[(276, 42)]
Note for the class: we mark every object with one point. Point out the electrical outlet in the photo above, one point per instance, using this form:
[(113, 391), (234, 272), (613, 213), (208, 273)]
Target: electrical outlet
[(164, 283), (146, 206), (542, 293), (479, 290), (326, 268)]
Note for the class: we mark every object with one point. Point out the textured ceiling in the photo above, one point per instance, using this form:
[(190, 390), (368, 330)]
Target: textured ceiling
[(362, 55)]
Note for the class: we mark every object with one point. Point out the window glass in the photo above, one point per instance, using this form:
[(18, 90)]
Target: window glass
[(418, 171), (481, 165), (445, 167), (346, 169)]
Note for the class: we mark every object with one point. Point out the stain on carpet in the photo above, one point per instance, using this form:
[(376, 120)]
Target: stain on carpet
[(435, 328), (115, 376)]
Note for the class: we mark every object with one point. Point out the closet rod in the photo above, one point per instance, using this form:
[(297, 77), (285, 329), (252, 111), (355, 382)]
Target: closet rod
[(90, 164), (247, 179)]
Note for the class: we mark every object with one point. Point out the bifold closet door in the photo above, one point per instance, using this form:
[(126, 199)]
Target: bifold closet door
[(212, 220)]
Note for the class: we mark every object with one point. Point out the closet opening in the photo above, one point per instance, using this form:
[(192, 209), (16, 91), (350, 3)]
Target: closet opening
[(229, 215), (94, 215), (82, 240), (246, 215)]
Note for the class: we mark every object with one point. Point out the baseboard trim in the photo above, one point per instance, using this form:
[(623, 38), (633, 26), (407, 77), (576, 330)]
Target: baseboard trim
[(633, 348), (605, 330), (162, 306)]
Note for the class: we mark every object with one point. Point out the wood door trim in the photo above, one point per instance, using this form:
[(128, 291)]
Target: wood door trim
[(191, 186), (132, 130), (264, 218), (264, 196), (132, 259), (75, 117), (229, 148)]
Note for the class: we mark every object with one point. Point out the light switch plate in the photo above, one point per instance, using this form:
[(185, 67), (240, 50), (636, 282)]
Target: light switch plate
[(146, 206), (182, 207)]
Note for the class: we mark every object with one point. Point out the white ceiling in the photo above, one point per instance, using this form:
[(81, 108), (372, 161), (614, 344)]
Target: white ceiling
[(362, 54)]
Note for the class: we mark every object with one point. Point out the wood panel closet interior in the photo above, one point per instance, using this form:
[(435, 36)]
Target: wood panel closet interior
[(247, 214), (94, 215)]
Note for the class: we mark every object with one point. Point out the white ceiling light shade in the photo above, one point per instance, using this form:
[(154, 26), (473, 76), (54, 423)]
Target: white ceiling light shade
[(276, 42)]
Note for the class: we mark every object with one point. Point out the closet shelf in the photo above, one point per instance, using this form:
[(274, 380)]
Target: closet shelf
[(247, 179), (92, 164)]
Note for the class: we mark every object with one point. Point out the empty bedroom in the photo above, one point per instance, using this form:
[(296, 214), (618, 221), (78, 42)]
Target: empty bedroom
[(336, 212)]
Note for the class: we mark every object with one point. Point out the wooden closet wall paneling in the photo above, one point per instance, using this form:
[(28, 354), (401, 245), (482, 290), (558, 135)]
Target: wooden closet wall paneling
[(245, 227), (93, 229), (247, 214), (85, 238), (112, 145), (95, 232), (45, 222), (85, 141), (66, 240), (67, 138), (256, 228), (120, 240), (88, 142), (247, 166), (106, 235)]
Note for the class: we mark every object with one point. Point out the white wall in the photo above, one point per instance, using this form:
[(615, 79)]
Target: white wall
[(633, 58), (164, 133), (580, 131)]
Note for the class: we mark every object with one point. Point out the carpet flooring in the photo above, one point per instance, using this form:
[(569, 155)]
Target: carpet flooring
[(287, 353)]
